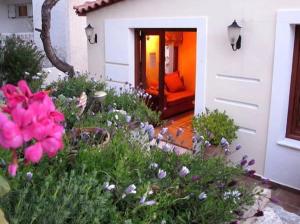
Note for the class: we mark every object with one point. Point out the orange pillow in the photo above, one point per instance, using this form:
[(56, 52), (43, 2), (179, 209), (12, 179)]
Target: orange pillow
[(173, 82)]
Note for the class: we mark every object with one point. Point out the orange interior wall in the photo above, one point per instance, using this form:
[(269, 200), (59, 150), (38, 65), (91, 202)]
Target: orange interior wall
[(152, 46), (187, 59)]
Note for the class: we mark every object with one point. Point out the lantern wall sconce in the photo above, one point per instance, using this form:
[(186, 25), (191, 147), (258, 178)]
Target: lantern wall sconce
[(89, 31), (234, 35)]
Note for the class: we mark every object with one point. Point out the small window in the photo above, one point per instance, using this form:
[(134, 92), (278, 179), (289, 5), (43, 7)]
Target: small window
[(293, 122), (19, 11), (22, 10)]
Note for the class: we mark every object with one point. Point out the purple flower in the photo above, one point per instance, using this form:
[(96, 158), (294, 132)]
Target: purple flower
[(224, 143), (196, 178), (243, 162), (161, 174), (150, 203), (131, 189), (238, 147), (251, 162), (184, 171), (29, 176)]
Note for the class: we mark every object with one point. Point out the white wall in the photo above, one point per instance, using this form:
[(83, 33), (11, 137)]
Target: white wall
[(17, 25), (238, 82)]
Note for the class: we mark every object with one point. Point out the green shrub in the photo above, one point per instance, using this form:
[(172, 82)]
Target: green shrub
[(20, 60), (214, 126), (68, 106), (124, 163), (133, 102), (73, 87)]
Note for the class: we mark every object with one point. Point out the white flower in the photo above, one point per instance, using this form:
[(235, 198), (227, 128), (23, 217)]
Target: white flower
[(128, 118), (143, 199), (160, 137), (29, 176), (202, 196), (109, 123), (234, 194), (131, 189), (153, 166), (163, 222), (117, 117), (167, 148), (164, 131), (149, 203), (108, 186), (161, 174), (184, 171)]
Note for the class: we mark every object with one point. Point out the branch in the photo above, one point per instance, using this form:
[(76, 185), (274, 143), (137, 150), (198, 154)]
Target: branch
[(46, 39)]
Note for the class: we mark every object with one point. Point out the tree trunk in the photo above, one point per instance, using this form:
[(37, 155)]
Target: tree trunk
[(46, 39)]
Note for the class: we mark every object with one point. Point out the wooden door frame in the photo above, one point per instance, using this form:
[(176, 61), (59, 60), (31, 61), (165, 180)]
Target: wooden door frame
[(140, 56)]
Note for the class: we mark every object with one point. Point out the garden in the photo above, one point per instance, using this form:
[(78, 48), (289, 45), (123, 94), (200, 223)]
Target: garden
[(76, 151)]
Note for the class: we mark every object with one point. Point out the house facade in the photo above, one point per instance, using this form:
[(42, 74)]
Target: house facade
[(254, 84), (21, 17)]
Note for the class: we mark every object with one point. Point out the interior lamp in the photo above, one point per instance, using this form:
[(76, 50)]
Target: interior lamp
[(89, 31), (234, 35)]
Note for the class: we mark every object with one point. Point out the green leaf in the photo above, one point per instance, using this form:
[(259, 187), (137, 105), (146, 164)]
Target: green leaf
[(4, 186)]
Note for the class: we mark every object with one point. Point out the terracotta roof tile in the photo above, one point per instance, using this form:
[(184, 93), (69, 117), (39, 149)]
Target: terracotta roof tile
[(89, 6)]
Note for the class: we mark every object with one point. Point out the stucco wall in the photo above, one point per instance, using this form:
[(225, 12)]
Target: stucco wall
[(17, 25), (238, 82)]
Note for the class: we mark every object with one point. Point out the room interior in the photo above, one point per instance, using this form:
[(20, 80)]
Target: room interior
[(170, 72)]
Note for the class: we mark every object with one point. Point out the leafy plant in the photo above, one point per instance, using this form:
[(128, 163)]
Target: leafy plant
[(73, 87), (134, 102), (20, 60), (214, 126)]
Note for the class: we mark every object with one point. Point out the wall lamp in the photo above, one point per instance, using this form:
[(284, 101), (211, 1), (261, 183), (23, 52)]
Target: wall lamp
[(234, 35), (89, 31)]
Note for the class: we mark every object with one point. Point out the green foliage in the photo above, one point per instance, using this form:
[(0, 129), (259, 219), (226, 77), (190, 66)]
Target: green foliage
[(124, 163), (20, 60), (68, 106), (73, 87), (60, 193), (134, 104), (214, 126)]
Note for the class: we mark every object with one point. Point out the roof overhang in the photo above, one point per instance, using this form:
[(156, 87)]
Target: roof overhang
[(90, 6)]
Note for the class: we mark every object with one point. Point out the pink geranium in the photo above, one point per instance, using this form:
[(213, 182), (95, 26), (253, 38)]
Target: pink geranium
[(29, 118)]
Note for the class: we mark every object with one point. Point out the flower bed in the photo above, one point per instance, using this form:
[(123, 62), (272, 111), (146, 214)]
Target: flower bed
[(128, 180)]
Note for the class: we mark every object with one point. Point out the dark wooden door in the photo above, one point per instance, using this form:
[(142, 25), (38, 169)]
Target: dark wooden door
[(141, 36)]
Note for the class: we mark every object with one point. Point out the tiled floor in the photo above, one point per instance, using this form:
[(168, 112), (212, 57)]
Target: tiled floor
[(287, 198), (183, 121)]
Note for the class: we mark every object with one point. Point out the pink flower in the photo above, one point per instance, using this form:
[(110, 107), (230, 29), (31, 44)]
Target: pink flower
[(12, 169), (10, 134), (51, 146), (29, 116), (34, 153)]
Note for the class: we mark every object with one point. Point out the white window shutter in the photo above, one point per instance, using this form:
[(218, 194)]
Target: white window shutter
[(11, 11), (29, 10)]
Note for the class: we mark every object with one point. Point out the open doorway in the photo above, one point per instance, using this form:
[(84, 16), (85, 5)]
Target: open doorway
[(166, 68)]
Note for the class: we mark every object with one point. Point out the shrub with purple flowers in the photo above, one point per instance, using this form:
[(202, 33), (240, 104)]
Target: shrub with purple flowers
[(214, 125)]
